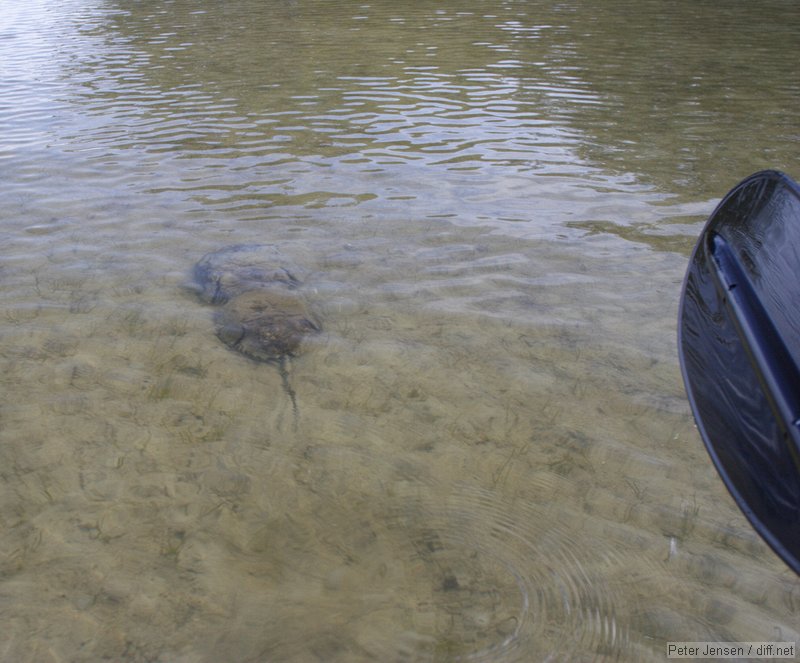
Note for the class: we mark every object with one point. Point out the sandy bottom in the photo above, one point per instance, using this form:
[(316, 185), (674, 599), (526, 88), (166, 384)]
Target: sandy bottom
[(493, 460)]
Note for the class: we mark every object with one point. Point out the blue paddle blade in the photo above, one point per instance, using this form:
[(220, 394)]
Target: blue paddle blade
[(739, 347)]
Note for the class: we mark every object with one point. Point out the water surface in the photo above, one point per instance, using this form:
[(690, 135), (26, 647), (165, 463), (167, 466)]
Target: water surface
[(492, 206)]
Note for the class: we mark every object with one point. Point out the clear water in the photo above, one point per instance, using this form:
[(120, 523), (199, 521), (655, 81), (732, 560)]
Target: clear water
[(492, 205)]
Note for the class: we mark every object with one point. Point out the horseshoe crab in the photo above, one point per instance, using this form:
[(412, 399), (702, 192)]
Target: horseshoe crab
[(223, 274), (261, 313)]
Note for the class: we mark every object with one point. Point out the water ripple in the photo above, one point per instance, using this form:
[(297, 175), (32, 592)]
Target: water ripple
[(308, 136), (467, 574)]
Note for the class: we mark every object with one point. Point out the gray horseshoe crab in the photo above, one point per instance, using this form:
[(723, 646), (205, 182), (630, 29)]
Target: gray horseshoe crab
[(261, 312)]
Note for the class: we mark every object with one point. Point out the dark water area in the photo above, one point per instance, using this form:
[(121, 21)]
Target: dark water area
[(487, 210)]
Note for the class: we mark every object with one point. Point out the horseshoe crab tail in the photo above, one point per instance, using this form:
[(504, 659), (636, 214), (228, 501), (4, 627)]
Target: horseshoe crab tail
[(283, 369)]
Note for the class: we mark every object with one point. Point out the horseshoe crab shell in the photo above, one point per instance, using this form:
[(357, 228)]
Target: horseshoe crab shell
[(261, 310), (221, 275), (266, 324)]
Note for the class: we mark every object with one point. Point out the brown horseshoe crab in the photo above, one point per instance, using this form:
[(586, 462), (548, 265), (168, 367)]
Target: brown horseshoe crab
[(262, 314)]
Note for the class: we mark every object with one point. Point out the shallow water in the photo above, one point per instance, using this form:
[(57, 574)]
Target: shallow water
[(491, 206)]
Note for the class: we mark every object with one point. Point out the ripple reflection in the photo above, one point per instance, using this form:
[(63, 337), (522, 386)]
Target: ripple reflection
[(401, 566)]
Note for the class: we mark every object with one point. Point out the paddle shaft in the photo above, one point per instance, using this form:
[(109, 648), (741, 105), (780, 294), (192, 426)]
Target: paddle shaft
[(769, 357)]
